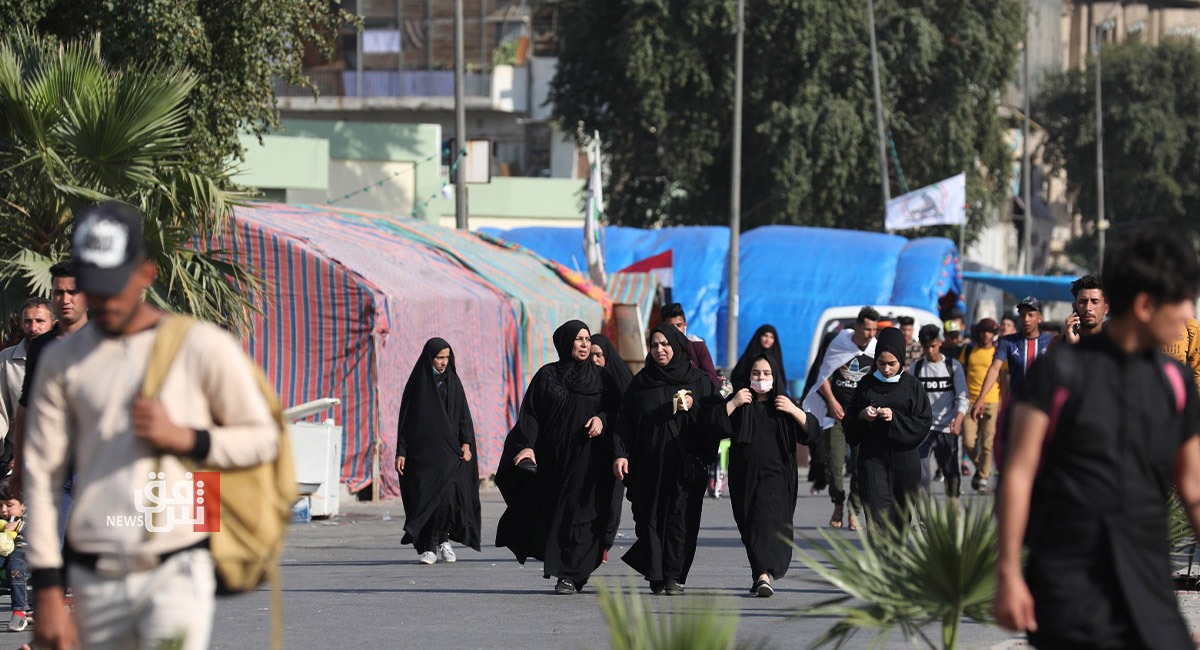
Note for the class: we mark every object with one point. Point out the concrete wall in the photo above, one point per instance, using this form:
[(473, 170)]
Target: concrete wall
[(510, 202), (282, 163), (541, 73), (407, 157)]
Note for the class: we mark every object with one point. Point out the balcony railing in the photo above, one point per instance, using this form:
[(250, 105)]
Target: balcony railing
[(388, 83)]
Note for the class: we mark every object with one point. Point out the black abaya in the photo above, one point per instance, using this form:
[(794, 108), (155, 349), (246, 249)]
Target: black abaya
[(669, 454), (560, 513), (614, 367), (889, 462), (762, 477), (439, 490)]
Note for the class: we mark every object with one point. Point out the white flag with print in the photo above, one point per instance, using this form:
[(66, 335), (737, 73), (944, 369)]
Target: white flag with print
[(941, 204)]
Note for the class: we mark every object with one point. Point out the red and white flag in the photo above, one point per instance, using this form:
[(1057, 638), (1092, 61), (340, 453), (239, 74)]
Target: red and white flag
[(658, 265)]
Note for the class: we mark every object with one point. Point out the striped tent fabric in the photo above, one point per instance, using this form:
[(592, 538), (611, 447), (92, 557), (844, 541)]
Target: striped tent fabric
[(641, 289), (351, 298), (541, 298), (347, 313)]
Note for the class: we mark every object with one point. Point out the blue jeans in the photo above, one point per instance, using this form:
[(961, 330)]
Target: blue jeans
[(17, 579)]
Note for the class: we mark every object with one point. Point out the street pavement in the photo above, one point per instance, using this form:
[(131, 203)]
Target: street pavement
[(348, 583)]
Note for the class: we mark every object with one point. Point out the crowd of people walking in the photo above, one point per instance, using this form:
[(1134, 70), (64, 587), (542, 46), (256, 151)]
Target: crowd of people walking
[(893, 410)]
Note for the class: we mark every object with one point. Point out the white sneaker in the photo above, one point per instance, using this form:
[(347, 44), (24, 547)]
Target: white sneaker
[(18, 622), (427, 558), (445, 553)]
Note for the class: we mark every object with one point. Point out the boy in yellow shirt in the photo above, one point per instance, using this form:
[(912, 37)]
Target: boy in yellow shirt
[(979, 435)]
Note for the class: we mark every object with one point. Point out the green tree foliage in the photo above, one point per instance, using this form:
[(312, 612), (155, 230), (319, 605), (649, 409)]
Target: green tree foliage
[(235, 47), (76, 131), (655, 77), (1151, 138)]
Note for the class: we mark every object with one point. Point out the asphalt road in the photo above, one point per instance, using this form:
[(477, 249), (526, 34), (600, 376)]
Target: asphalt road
[(349, 584)]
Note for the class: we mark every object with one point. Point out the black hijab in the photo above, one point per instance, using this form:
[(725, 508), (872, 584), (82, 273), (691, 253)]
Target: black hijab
[(679, 371), (889, 340), (580, 377), (740, 377), (435, 421), (430, 402), (614, 365), (753, 417)]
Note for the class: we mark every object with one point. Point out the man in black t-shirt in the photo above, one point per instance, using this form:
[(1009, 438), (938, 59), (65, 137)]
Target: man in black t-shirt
[(1101, 430)]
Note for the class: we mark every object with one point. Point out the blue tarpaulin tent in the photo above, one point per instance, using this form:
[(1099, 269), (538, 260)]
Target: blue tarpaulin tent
[(788, 274), (1038, 286), (700, 253)]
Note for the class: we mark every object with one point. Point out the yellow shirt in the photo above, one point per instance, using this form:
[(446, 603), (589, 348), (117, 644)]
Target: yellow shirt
[(977, 369), (1186, 349)]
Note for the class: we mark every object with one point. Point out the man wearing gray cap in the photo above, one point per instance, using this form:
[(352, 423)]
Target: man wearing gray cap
[(141, 577)]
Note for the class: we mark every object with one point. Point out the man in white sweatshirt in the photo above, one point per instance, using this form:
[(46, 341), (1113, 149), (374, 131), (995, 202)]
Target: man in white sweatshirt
[(136, 584), (946, 385)]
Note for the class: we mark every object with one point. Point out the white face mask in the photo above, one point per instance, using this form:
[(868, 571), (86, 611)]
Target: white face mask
[(763, 386)]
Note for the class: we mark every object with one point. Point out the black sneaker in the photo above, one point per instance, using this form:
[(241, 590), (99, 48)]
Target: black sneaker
[(673, 588), (657, 587), (564, 587), (763, 588)]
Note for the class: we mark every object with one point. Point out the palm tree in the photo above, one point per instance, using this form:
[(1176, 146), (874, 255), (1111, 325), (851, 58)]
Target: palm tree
[(74, 131), (910, 578)]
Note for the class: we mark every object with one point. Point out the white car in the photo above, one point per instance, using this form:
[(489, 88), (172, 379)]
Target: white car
[(835, 319)]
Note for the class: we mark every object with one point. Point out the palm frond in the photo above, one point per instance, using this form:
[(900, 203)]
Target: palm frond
[(908, 579), (689, 623), (76, 131)]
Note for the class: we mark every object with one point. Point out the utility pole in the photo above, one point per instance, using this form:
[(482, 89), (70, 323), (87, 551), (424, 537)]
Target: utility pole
[(460, 121), (1026, 175), (735, 192), (883, 166), (1101, 224)]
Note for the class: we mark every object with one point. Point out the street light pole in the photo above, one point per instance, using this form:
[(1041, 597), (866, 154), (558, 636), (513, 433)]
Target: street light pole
[(735, 192), (460, 122), (883, 166), (1026, 172), (1101, 224)]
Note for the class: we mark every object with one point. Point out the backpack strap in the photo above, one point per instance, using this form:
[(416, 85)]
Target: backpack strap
[(1174, 381), (919, 367), (949, 367), (1064, 405), (171, 332)]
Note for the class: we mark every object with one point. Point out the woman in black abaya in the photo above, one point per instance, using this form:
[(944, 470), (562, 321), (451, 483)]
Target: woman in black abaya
[(764, 341), (664, 445), (435, 458), (888, 417), (605, 355), (558, 513), (765, 426)]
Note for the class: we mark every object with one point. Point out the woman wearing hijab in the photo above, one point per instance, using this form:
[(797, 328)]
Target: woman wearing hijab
[(888, 417), (554, 472), (764, 341), (435, 458), (765, 426), (663, 447), (605, 355)]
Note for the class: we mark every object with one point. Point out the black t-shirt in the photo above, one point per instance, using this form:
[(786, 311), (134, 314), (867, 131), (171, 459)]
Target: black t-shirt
[(844, 380), (1098, 520)]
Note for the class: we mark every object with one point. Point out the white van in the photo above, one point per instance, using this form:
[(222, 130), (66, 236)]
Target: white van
[(835, 319)]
